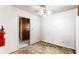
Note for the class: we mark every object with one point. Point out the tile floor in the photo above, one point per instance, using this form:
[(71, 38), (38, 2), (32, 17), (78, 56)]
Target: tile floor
[(44, 48)]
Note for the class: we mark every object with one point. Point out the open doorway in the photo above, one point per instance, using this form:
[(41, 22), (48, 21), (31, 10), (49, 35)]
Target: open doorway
[(24, 31)]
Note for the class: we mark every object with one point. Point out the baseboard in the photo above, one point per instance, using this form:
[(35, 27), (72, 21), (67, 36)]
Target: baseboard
[(59, 45)]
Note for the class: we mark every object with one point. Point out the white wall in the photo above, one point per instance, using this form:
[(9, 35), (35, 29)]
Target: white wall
[(56, 29), (9, 19), (59, 28), (77, 35)]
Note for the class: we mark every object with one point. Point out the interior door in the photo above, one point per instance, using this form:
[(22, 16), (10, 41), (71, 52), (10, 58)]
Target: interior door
[(24, 29)]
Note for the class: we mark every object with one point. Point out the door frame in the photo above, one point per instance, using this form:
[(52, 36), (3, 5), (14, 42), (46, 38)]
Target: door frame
[(18, 31)]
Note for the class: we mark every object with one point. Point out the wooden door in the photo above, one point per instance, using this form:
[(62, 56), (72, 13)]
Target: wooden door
[(24, 28), (78, 10)]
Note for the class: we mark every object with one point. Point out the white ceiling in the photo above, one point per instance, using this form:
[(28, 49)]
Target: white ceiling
[(35, 9)]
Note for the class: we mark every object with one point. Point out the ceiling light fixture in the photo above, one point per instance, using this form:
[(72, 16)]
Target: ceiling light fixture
[(44, 10)]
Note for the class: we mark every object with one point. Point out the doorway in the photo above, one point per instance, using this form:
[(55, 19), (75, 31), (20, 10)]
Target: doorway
[(24, 31)]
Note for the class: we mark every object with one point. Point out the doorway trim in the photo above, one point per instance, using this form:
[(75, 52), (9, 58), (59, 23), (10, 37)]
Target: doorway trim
[(18, 45)]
